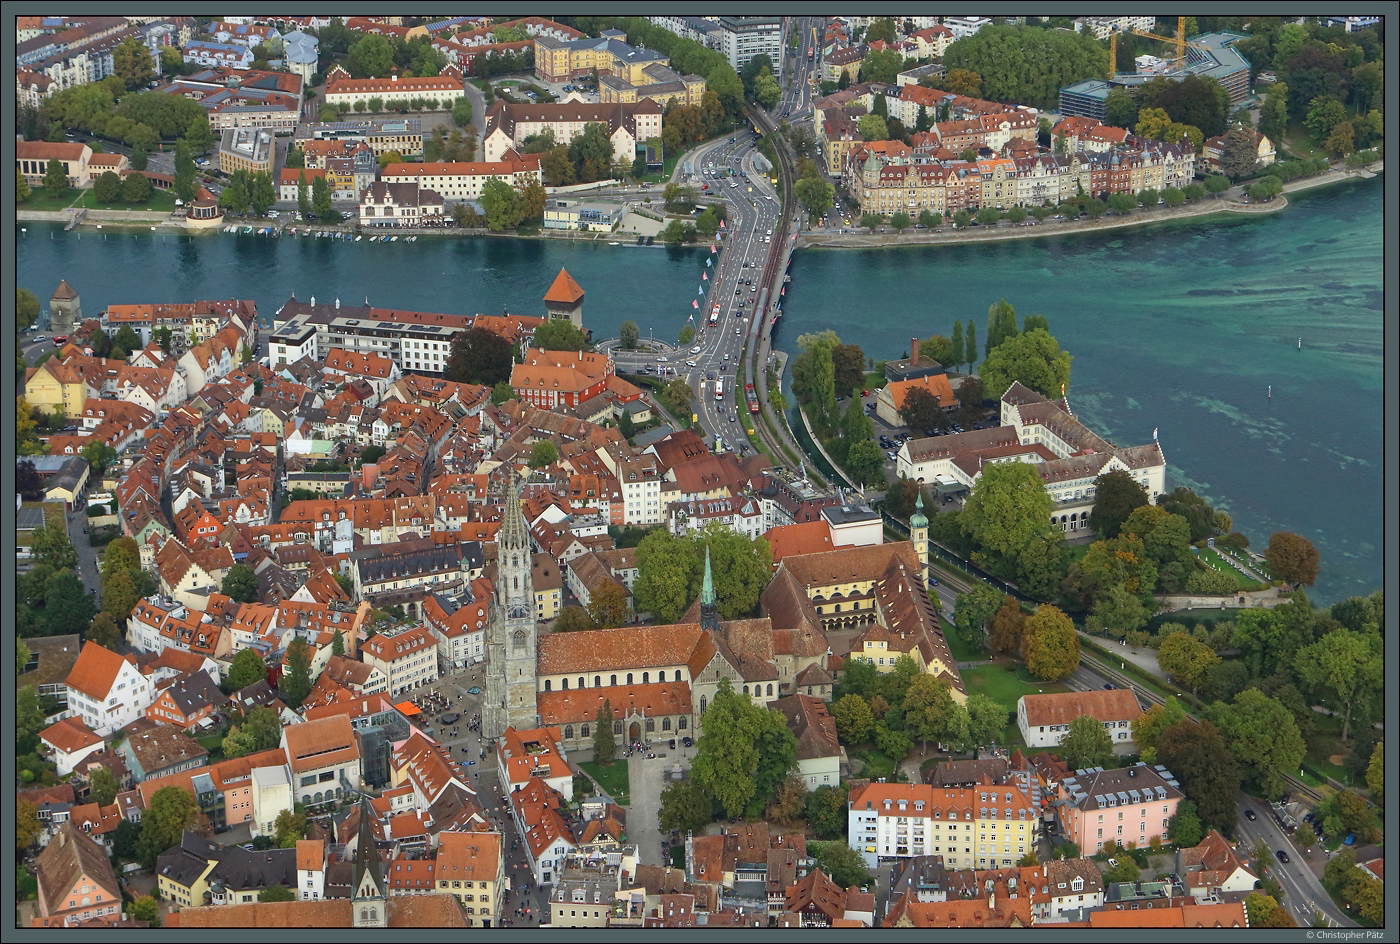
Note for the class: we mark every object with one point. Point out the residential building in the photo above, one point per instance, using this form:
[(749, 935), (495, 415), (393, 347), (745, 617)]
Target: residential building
[(324, 759), (445, 88), (508, 125), (974, 827), (1129, 805), (159, 752), (1045, 719), (76, 884), (416, 341), (1213, 148), (740, 38), (408, 659), (247, 149), (471, 867), (820, 756), (231, 55), (1212, 867), (70, 742), (399, 134), (107, 691)]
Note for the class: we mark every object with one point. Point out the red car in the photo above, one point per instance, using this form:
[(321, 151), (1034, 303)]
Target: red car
[(704, 186)]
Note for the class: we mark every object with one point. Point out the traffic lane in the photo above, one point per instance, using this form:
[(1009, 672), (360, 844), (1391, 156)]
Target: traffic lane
[(1302, 889)]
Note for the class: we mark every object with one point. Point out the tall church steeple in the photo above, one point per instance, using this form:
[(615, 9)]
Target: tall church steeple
[(512, 636), (709, 615), (368, 908), (918, 533)]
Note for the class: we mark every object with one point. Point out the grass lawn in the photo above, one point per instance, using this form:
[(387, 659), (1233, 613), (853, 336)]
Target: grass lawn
[(1211, 558), (874, 381), (1323, 745), (160, 201), (962, 651), (26, 888), (1005, 683), (38, 200), (1298, 142), (613, 779)]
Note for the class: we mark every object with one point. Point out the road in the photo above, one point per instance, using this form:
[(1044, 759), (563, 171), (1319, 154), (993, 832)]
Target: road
[(1302, 888)]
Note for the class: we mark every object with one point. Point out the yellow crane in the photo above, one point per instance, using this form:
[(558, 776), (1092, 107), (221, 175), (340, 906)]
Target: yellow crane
[(1179, 41)]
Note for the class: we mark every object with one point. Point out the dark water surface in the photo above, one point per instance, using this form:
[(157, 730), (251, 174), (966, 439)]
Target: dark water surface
[(1181, 326)]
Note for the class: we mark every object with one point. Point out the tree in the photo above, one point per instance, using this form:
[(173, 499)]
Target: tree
[(1008, 627), (1049, 644), (131, 61), (303, 196), (1033, 358), (815, 194), (1117, 612), (608, 606), (872, 128), (788, 802), (826, 811), (686, 806), (604, 743), (1148, 727), (1267, 187), (1116, 495), (744, 751), (841, 863), (296, 680), (462, 111), (1185, 658), (29, 714), (921, 410), (1262, 734), (246, 669), (1008, 509), (628, 335), (666, 571), (478, 356), (559, 334), (1342, 668), (1238, 153), (931, 714), (55, 180), (144, 908), (21, 187), (119, 598), (882, 65), (98, 455), (1086, 744), (1375, 772), (900, 221), (853, 719), (973, 611), (240, 584), (27, 828), (185, 185), (107, 188), (1199, 515), (1217, 184), (169, 813), (963, 82), (370, 57), (1026, 64), (1291, 558), (1123, 870), (986, 720), (678, 396)]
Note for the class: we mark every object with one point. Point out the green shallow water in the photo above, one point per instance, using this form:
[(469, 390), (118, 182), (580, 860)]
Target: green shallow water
[(1181, 326)]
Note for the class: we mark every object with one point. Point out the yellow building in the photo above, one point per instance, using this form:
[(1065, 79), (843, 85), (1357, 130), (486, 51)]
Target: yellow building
[(970, 827), (182, 873), (471, 867), (54, 383)]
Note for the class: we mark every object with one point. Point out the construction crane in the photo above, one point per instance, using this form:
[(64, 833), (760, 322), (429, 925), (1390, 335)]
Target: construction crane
[(1179, 41)]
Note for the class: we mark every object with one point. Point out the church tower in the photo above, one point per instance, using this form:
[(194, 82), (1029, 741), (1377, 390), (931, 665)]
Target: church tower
[(511, 636), (918, 533), (709, 615), (368, 907)]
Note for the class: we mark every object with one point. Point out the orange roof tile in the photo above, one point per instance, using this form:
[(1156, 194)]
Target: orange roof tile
[(564, 289)]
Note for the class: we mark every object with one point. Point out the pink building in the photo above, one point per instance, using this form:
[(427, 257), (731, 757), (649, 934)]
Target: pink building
[(1129, 805)]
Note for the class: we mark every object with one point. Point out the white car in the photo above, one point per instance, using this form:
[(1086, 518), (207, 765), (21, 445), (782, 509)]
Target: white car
[(690, 363), (695, 349)]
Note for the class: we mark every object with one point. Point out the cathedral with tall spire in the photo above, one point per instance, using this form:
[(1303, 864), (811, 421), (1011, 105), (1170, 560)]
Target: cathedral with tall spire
[(709, 613), (511, 635)]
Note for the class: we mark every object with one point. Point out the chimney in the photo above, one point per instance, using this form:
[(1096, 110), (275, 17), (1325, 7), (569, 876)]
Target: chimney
[(913, 351)]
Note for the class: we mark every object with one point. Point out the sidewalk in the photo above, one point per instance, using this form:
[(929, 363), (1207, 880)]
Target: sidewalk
[(1144, 658)]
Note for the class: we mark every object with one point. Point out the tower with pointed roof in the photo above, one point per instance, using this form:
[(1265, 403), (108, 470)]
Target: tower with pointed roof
[(64, 310), (368, 908), (918, 533), (565, 300), (511, 636), (709, 615)]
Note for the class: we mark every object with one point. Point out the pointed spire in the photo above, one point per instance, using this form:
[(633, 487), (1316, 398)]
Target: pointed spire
[(918, 519), (707, 587), (514, 533)]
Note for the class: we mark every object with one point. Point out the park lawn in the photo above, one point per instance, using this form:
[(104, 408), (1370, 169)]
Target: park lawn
[(874, 381), (1211, 558), (613, 779), (1005, 683), (38, 200), (1298, 142), (160, 201), (961, 650), (1325, 742)]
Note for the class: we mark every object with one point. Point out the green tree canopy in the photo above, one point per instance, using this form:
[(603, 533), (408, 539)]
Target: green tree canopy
[(1198, 756), (604, 742), (169, 813), (559, 334), (1342, 668), (543, 453), (1086, 744), (1027, 64), (296, 679), (1262, 735), (1049, 644), (246, 669), (478, 356), (1033, 358), (744, 752), (240, 584), (853, 719)]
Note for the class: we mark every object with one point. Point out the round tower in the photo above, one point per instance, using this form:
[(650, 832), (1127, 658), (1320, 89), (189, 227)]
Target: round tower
[(918, 533)]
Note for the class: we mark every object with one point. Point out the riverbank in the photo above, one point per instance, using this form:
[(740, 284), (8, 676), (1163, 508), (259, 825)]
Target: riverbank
[(95, 217), (1207, 206)]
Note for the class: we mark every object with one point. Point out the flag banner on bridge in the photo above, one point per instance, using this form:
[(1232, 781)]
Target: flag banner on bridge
[(712, 248), (693, 304), (701, 290), (721, 224), (705, 276), (782, 291), (709, 262)]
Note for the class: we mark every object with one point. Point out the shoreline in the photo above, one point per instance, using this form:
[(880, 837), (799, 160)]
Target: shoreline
[(1207, 206)]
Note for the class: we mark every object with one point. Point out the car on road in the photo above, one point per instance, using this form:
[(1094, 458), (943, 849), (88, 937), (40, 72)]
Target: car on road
[(1249, 815), (690, 364), (40, 339), (1108, 687), (687, 742), (473, 691), (1282, 856)]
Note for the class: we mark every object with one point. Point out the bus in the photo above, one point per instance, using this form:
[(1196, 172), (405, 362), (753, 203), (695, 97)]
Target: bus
[(714, 316), (719, 389)]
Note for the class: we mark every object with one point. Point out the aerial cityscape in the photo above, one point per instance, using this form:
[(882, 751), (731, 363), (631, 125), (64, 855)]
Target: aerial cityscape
[(555, 472)]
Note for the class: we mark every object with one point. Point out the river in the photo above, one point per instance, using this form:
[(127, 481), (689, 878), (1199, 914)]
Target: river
[(1181, 326)]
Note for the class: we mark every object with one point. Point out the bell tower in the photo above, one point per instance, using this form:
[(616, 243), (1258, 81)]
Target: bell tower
[(918, 533), (511, 636), (709, 614)]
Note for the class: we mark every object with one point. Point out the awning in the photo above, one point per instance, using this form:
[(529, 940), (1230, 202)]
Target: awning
[(407, 709), (944, 489)]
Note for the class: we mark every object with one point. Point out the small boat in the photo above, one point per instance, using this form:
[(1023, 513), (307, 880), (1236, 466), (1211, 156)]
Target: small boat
[(393, 239), (614, 244), (247, 230), (358, 238)]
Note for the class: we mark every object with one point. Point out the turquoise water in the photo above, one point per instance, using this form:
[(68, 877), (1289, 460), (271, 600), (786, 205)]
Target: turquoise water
[(1180, 326)]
